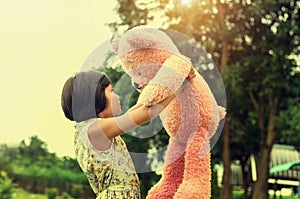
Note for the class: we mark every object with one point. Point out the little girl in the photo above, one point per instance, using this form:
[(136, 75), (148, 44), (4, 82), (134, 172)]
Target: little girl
[(89, 100)]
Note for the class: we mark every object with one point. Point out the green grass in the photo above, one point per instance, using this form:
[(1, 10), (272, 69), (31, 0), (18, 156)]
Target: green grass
[(22, 194), (238, 193), (19, 193)]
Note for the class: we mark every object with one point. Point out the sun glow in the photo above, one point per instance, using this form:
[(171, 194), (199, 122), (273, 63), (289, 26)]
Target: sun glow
[(187, 2)]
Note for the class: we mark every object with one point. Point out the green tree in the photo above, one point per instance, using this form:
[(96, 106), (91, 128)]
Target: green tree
[(257, 40), (7, 154), (34, 149), (131, 14), (76, 191), (271, 80), (69, 163), (51, 193), (33, 168), (6, 186), (288, 122)]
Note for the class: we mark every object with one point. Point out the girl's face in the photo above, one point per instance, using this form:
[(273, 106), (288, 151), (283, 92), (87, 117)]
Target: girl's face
[(113, 106)]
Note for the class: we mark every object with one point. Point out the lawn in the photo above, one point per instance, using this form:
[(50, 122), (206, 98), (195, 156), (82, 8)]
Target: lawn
[(22, 194), (238, 193)]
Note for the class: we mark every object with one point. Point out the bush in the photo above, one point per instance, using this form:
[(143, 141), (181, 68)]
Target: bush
[(51, 193), (215, 190), (36, 179), (6, 186), (65, 196), (76, 191)]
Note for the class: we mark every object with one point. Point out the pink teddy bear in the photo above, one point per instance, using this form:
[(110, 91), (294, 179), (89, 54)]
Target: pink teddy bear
[(155, 64)]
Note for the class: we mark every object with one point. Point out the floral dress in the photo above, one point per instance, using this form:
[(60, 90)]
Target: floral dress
[(111, 173)]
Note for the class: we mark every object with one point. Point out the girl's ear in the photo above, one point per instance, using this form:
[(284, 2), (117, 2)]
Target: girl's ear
[(115, 42)]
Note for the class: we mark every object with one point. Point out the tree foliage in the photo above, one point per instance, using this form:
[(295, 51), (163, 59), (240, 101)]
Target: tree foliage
[(6, 186), (254, 43), (288, 123), (34, 149), (131, 14), (33, 168)]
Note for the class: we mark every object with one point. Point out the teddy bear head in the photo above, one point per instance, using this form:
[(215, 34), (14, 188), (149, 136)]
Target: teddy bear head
[(142, 51)]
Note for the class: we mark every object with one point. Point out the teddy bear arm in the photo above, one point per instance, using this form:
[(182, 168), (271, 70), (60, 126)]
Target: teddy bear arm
[(154, 94), (178, 66), (167, 80)]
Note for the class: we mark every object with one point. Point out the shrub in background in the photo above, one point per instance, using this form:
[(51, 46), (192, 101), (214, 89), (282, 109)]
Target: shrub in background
[(65, 195), (76, 191), (6, 186), (215, 190), (51, 193)]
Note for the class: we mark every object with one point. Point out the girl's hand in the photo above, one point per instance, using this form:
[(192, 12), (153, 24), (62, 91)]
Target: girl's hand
[(192, 74)]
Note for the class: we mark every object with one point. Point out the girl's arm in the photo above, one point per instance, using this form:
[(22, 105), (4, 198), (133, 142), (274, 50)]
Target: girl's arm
[(134, 107), (101, 134)]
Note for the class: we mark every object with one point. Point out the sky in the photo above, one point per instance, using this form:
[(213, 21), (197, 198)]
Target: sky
[(42, 44)]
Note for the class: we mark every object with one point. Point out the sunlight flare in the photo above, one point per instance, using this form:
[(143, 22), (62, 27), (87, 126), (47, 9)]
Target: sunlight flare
[(186, 2)]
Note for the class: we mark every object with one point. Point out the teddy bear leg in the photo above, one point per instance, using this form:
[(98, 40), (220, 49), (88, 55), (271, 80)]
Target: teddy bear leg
[(172, 173), (196, 183)]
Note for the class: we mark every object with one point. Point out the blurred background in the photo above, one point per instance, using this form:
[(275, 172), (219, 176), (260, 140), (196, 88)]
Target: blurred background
[(254, 44)]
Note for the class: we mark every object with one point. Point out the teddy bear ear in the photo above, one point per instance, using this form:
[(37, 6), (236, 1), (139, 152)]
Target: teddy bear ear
[(141, 38), (115, 42)]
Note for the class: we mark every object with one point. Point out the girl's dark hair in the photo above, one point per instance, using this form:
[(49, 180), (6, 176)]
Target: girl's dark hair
[(100, 100), (78, 90)]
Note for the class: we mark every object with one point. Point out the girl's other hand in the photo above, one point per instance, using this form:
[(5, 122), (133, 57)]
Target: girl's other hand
[(192, 74)]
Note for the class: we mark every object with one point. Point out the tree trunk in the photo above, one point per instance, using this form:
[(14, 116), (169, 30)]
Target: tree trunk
[(262, 158), (227, 187), (262, 169)]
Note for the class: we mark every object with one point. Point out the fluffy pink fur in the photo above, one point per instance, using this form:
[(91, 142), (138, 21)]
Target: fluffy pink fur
[(191, 118)]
